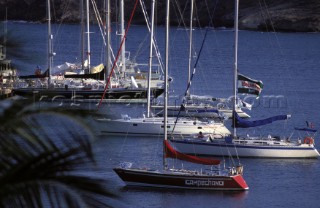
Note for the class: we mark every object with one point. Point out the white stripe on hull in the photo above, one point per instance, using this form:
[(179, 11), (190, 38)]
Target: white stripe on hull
[(248, 151)]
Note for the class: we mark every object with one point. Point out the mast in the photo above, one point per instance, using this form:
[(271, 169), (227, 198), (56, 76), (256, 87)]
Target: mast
[(166, 78), (108, 53), (4, 49), (235, 65), (150, 58), (155, 45), (50, 52), (122, 31), (190, 40), (88, 36), (82, 35)]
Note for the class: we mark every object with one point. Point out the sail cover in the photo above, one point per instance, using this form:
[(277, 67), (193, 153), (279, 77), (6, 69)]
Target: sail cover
[(305, 129), (247, 85), (242, 123), (172, 153), (97, 75)]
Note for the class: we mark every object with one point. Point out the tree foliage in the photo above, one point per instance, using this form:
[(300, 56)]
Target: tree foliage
[(46, 160)]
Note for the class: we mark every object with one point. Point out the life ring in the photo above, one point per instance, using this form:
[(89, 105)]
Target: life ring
[(308, 140)]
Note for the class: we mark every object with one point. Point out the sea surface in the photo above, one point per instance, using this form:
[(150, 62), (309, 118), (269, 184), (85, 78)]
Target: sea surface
[(287, 63)]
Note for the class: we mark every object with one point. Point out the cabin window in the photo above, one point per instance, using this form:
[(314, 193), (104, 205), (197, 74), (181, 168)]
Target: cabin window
[(241, 142), (199, 127), (167, 127), (260, 142), (135, 124)]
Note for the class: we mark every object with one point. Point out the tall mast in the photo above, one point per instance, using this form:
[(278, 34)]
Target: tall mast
[(166, 77), (108, 55), (190, 40), (150, 58), (122, 31), (235, 64), (50, 52), (88, 36), (4, 50), (82, 34)]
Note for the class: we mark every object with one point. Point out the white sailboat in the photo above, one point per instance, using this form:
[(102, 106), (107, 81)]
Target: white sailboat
[(254, 147), (211, 179), (85, 86), (263, 147), (199, 110), (153, 126), (198, 106)]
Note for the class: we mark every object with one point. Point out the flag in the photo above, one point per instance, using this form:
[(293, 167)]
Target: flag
[(247, 85)]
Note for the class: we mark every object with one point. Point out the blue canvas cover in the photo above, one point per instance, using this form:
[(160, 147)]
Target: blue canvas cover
[(243, 123)]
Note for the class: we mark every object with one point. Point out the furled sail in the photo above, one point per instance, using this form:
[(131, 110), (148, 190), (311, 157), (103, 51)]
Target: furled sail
[(172, 153), (98, 75), (242, 123), (305, 129)]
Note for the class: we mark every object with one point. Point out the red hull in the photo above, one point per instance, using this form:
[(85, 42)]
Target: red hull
[(178, 179)]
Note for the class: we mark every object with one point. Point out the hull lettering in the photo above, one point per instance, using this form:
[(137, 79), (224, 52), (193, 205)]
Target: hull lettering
[(203, 183)]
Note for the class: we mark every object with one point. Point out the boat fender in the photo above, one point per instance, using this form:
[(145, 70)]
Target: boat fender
[(308, 140)]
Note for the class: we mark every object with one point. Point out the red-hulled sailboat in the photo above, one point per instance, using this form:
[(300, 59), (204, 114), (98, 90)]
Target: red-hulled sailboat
[(211, 179), (214, 179)]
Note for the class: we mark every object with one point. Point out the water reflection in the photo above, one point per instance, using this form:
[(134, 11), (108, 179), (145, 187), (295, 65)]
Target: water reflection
[(162, 197)]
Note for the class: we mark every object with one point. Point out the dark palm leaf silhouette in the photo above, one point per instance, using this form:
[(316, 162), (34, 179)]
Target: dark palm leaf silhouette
[(47, 164)]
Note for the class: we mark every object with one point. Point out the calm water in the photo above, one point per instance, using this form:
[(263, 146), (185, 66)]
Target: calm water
[(287, 63)]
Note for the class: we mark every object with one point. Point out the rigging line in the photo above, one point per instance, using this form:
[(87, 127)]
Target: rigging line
[(197, 15), (286, 67), (155, 44), (118, 54), (209, 13), (210, 23), (189, 84), (100, 24), (176, 7), (99, 20), (285, 62), (141, 49)]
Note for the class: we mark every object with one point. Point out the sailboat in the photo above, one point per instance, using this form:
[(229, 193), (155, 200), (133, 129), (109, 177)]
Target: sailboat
[(153, 126), (201, 109), (7, 71), (199, 106), (265, 147), (80, 86), (254, 147), (226, 179)]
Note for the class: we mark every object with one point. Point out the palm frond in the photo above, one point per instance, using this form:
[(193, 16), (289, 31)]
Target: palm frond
[(42, 164)]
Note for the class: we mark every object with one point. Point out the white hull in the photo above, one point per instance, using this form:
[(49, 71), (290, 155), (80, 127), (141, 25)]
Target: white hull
[(246, 150), (199, 111), (154, 127)]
